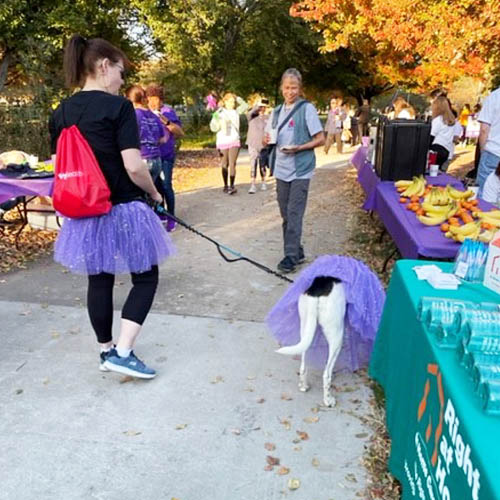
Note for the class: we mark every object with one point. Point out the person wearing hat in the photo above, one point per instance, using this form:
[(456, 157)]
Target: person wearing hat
[(257, 119)]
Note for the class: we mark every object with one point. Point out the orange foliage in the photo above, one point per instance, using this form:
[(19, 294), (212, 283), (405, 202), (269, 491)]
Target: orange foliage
[(422, 42)]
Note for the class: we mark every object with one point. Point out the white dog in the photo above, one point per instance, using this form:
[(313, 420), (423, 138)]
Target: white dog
[(323, 302)]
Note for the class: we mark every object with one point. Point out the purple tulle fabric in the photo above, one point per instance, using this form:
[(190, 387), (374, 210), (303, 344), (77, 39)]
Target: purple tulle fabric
[(130, 238), (365, 300)]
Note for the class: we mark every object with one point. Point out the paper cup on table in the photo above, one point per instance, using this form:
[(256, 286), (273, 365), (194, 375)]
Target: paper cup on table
[(433, 170), (33, 161), (273, 136)]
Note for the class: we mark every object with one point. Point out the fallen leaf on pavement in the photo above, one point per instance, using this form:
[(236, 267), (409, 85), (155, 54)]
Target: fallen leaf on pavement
[(272, 460), (269, 446), (315, 409), (260, 401), (126, 379), (217, 379), (283, 471), (311, 420), (132, 433), (236, 431), (286, 423), (293, 484), (286, 397), (298, 448), (251, 377), (303, 435), (315, 462), (268, 468), (179, 427)]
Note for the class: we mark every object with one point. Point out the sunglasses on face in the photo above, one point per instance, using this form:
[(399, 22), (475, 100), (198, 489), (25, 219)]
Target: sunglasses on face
[(122, 72)]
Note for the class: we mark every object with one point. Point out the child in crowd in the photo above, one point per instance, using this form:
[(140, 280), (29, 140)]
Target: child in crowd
[(257, 120), (151, 131)]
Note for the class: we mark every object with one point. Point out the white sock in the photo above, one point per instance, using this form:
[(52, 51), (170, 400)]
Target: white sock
[(106, 349), (123, 353)]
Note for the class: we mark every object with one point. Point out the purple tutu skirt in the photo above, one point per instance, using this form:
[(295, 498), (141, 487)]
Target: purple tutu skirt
[(128, 239), (365, 298)]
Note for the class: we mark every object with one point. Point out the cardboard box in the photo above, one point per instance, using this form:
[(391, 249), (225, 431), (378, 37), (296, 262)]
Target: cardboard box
[(492, 271)]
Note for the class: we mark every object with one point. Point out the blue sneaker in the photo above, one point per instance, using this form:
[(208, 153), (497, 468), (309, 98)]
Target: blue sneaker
[(130, 365)]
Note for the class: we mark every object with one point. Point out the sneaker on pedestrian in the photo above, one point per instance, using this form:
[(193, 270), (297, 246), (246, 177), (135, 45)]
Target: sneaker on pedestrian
[(225, 189), (232, 190), (302, 257), (263, 187), (131, 365), (252, 189), (287, 265)]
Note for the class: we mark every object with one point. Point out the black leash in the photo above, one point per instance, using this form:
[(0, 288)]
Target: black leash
[(159, 209)]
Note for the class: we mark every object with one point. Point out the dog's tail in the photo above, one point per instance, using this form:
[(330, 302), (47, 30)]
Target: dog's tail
[(308, 322), (299, 348)]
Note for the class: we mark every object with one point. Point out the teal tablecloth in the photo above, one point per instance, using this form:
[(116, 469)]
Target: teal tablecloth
[(443, 445)]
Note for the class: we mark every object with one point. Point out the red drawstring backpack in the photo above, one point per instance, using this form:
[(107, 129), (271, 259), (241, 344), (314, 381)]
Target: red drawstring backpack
[(80, 188)]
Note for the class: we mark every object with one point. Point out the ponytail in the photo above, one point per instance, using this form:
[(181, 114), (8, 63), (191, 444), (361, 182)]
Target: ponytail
[(73, 61), (81, 57)]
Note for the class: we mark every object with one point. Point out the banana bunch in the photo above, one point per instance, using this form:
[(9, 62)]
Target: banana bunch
[(432, 220), (439, 210), (486, 236), (455, 194), (470, 230), (415, 188), (492, 217), (402, 183), (438, 197)]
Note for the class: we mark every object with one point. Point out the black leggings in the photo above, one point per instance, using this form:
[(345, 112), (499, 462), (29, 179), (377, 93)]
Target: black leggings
[(442, 154), (136, 307)]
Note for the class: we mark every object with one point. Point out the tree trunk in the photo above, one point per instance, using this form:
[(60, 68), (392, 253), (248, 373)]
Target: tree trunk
[(4, 67)]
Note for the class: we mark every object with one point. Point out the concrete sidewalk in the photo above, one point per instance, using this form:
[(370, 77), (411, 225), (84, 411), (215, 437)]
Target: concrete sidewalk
[(197, 431)]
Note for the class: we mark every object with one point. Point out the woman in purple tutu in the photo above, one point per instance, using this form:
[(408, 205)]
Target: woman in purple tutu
[(130, 238)]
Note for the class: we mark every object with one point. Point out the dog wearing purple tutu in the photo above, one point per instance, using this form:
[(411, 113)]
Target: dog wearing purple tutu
[(322, 303), (329, 316)]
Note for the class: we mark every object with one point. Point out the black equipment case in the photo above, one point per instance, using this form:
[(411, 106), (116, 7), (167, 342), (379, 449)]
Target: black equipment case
[(401, 148)]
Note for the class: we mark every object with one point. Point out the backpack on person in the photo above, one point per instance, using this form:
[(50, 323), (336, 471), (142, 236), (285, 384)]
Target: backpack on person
[(80, 188)]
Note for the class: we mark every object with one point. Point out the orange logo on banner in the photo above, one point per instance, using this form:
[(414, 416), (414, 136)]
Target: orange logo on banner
[(433, 370)]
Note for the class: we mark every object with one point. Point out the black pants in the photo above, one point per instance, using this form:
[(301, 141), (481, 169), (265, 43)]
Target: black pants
[(442, 153), (136, 307), (292, 201)]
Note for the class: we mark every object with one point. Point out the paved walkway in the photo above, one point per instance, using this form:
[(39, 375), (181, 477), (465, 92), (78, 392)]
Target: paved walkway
[(199, 430)]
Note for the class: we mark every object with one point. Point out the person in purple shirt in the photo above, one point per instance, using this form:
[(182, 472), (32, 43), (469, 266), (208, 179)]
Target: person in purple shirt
[(173, 130), (151, 131)]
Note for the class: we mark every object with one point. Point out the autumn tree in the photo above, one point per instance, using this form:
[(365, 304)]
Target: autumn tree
[(244, 45), (33, 33), (418, 43)]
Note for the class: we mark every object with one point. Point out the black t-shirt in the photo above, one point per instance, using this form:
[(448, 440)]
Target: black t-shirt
[(109, 125)]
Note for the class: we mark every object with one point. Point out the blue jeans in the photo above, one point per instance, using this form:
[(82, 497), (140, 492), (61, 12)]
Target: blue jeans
[(488, 162), (167, 166), (154, 165)]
